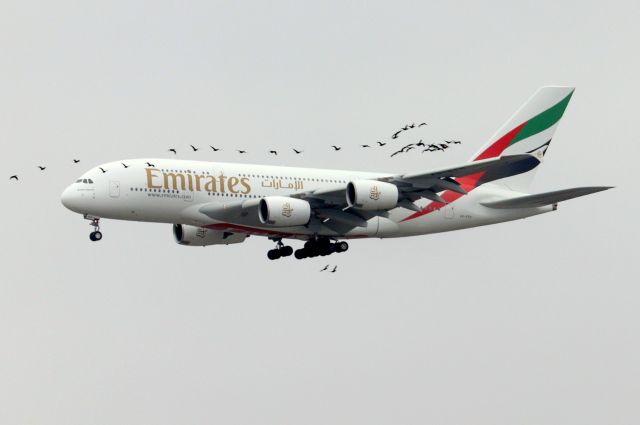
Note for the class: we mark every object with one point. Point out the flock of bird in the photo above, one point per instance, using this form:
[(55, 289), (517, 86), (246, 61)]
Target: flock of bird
[(431, 147)]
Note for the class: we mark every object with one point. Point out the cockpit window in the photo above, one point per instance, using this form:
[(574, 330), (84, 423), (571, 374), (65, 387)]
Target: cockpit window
[(90, 181), (79, 181), (84, 180)]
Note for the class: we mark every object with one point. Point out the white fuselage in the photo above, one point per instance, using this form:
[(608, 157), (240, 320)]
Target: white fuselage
[(174, 191)]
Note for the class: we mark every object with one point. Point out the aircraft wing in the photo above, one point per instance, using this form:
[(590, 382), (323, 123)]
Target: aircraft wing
[(329, 204)]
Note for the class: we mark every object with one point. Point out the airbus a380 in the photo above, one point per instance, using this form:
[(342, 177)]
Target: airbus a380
[(211, 203)]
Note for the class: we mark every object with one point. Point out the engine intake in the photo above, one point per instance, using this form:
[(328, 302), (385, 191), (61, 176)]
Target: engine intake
[(282, 211), (201, 236), (371, 195)]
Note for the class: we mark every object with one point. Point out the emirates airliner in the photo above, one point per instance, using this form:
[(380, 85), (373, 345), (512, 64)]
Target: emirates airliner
[(213, 203)]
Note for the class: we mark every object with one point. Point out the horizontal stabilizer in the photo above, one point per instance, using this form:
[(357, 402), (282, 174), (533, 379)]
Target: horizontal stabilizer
[(542, 199)]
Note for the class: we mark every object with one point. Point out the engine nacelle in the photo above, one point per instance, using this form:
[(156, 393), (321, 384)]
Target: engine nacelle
[(200, 236), (282, 211), (371, 195)]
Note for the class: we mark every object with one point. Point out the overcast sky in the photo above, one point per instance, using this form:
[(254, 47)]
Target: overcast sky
[(529, 322)]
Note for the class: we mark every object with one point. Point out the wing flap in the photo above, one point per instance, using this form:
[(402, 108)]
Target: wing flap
[(543, 199)]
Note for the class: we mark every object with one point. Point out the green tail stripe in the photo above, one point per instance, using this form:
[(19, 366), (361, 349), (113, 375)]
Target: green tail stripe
[(543, 120)]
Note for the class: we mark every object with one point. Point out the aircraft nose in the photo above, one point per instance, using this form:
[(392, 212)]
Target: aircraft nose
[(70, 198)]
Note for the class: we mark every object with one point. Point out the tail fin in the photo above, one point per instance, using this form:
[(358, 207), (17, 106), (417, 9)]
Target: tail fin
[(529, 130)]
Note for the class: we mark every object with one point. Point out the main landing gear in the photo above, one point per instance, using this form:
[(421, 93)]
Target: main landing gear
[(280, 250), (320, 246), (96, 235)]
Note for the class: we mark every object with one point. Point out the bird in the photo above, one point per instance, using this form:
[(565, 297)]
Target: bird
[(395, 135), (241, 151), (14, 177), (365, 146), (381, 144), (334, 269), (194, 148), (173, 150), (405, 148), (103, 170), (405, 128), (455, 142), (214, 149), (325, 268), (420, 143), (421, 124), (125, 165), (336, 148), (42, 168), (412, 125), (75, 161), (297, 151), (443, 146), (274, 152), (150, 164), (432, 148)]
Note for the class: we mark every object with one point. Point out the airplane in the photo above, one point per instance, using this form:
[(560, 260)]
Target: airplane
[(215, 203)]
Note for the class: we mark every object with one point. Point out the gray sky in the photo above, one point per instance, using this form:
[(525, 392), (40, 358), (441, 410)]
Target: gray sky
[(529, 322)]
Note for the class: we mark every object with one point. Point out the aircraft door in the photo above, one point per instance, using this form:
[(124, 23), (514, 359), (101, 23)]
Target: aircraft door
[(114, 188)]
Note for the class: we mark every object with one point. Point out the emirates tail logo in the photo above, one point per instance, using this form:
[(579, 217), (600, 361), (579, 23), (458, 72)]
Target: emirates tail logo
[(374, 193), (287, 210)]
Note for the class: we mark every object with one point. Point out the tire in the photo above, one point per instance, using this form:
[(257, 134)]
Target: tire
[(342, 246), (273, 254), (92, 236), (286, 251), (300, 254), (97, 235)]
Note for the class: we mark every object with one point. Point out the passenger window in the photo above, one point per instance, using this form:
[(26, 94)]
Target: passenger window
[(90, 181), (84, 180)]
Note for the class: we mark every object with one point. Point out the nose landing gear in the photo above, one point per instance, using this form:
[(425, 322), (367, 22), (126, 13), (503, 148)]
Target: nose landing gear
[(96, 235)]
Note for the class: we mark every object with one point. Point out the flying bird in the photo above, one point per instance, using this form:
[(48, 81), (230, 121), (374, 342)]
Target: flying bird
[(381, 144), (103, 170), (421, 124), (42, 168), (412, 125), (443, 146), (75, 161), (214, 149), (297, 151), (173, 150), (194, 148), (365, 146), (150, 164), (241, 151), (125, 165), (14, 177), (395, 135), (336, 148), (325, 268), (334, 269), (420, 143), (455, 142), (404, 149), (405, 128), (274, 152)]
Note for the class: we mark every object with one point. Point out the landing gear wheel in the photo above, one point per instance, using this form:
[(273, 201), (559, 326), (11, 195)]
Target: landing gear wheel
[(286, 251), (95, 236), (273, 254), (300, 254), (342, 246)]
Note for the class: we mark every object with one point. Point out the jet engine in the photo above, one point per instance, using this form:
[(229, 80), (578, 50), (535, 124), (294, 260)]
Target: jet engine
[(201, 236), (371, 195), (282, 211)]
